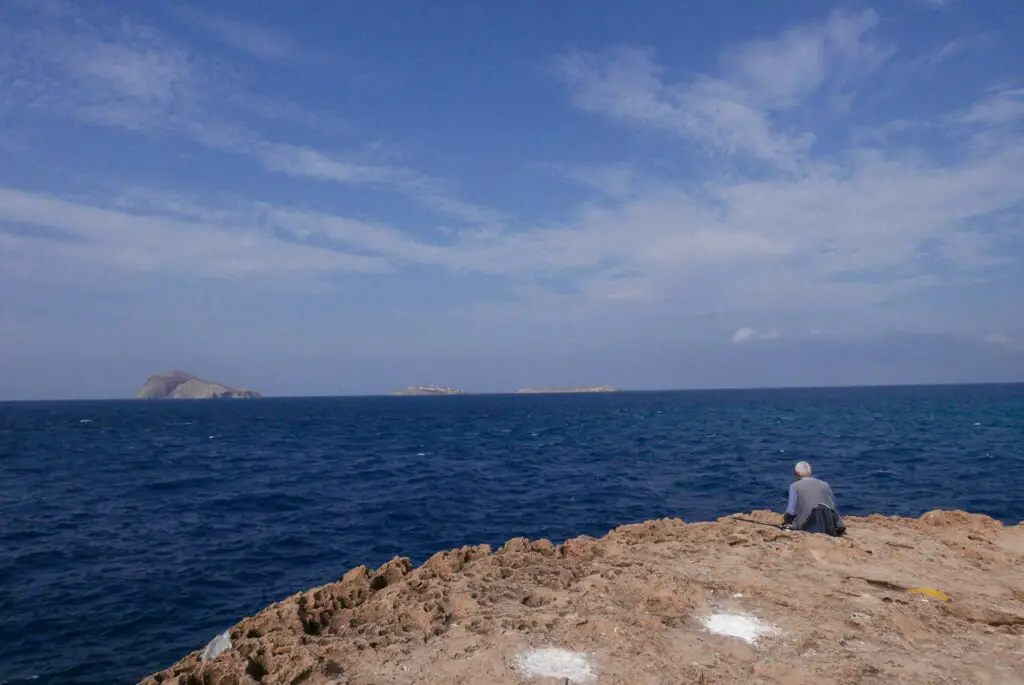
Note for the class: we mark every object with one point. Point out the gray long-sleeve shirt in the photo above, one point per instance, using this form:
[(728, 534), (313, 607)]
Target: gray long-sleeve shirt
[(804, 495)]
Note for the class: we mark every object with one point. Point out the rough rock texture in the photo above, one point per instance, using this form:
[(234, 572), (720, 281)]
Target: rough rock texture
[(182, 385), (845, 610)]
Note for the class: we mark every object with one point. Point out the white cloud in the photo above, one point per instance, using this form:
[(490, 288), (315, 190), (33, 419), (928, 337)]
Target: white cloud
[(312, 163), (1005, 106), (303, 161), (626, 85), (792, 244), (951, 49), (136, 78), (733, 111), (82, 237), (747, 334), (997, 339), (778, 73), (125, 75), (614, 180), (142, 73), (742, 335)]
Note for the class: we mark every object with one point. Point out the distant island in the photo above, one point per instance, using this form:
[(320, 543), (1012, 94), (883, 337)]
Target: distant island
[(596, 388), (436, 390), (428, 390), (179, 385)]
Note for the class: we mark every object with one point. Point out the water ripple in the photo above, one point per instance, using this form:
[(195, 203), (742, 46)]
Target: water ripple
[(134, 532)]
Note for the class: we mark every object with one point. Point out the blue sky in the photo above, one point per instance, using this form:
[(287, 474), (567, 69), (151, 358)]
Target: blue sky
[(313, 198)]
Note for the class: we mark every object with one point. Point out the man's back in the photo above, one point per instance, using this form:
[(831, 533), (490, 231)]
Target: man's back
[(808, 493)]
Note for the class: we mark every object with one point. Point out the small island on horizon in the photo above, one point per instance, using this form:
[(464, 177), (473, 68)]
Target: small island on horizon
[(428, 390), (438, 390), (574, 389), (181, 385)]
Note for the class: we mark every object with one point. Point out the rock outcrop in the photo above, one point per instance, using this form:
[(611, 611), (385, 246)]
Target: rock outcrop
[(185, 386), (938, 599)]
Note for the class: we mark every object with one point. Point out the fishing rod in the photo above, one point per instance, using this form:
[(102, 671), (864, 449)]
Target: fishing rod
[(760, 523)]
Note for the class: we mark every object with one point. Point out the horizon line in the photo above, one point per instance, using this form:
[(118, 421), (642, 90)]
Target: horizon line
[(500, 393)]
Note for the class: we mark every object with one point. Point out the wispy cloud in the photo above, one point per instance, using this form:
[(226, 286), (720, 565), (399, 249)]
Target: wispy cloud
[(1003, 107), (859, 233), (746, 334), (626, 85), (314, 164), (936, 4), (780, 72), (137, 78), (613, 180), (140, 72), (123, 74), (248, 37), (1004, 342), (732, 111), (85, 237), (956, 47), (311, 163)]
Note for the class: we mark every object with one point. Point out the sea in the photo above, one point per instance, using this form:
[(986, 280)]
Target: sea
[(131, 533)]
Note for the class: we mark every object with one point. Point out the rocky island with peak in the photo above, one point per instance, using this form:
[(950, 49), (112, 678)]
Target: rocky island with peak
[(179, 385), (918, 601), (428, 390)]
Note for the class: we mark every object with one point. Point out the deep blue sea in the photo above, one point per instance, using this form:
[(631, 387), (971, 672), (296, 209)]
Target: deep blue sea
[(132, 532)]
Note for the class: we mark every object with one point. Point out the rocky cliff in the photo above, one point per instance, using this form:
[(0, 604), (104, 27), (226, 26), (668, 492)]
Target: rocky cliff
[(182, 385), (939, 599)]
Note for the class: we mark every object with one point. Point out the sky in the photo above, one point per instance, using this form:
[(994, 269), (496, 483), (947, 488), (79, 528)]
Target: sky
[(349, 198)]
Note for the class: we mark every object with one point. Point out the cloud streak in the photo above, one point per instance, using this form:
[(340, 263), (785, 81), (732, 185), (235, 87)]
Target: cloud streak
[(1004, 107), (247, 37), (746, 334), (137, 78), (152, 243)]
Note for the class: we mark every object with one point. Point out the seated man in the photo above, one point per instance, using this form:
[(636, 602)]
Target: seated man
[(812, 507)]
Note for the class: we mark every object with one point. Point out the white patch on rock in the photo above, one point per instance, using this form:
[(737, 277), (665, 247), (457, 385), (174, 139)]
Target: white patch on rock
[(746, 628), (217, 646), (552, 662)]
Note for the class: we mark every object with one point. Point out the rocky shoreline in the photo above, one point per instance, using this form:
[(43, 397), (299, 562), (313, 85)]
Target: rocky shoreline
[(937, 599)]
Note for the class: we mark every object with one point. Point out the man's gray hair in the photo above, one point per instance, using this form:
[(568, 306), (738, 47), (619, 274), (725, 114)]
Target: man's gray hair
[(803, 469)]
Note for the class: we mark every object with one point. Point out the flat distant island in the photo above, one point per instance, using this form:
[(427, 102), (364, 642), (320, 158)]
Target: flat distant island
[(594, 388), (436, 390), (428, 390), (179, 385)]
